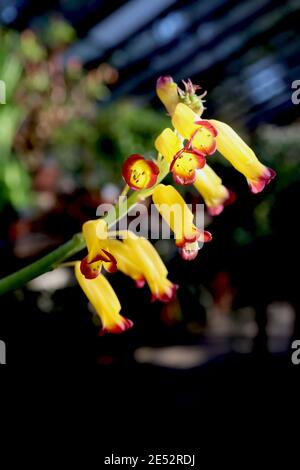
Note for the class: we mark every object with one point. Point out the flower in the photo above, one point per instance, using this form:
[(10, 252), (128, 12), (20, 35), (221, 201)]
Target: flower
[(183, 161), (240, 155), (139, 173), (189, 251), (96, 238), (134, 256), (210, 186), (104, 300), (125, 262), (178, 216), (144, 255), (201, 134), (167, 92)]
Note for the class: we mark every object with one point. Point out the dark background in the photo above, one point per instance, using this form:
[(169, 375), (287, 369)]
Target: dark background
[(246, 55)]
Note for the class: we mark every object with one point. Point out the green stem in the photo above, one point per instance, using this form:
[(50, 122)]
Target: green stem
[(42, 265), (71, 247)]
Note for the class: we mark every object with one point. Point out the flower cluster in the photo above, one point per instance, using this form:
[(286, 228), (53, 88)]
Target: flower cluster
[(134, 256), (184, 150)]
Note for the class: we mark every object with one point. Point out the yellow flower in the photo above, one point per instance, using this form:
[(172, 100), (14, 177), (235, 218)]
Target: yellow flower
[(166, 90), (201, 134), (139, 173), (178, 216), (210, 186), (104, 300), (183, 161), (125, 262), (206, 136), (96, 238), (144, 255), (134, 256), (240, 155)]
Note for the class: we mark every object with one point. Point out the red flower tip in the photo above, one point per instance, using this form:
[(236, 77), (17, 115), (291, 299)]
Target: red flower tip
[(140, 283), (203, 138), (164, 80), (216, 210), (139, 173), (258, 185), (166, 296), (208, 126), (126, 324), (91, 269), (188, 255), (205, 236), (185, 164)]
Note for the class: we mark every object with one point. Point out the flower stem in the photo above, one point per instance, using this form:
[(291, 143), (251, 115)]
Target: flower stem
[(42, 265), (71, 247), (125, 190)]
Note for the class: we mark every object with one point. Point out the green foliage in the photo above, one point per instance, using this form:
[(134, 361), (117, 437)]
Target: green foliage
[(96, 150), (14, 180)]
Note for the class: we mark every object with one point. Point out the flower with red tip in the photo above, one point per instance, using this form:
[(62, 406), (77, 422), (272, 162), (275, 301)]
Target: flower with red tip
[(167, 92), (144, 255), (210, 186), (183, 160), (242, 157), (189, 251), (201, 134), (125, 262), (173, 209), (139, 173), (96, 236), (104, 300)]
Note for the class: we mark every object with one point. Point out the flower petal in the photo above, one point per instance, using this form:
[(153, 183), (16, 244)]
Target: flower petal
[(168, 144), (189, 251), (144, 255), (166, 90), (242, 157), (184, 167), (139, 173), (210, 186), (91, 269), (203, 138), (104, 300), (201, 134), (178, 215)]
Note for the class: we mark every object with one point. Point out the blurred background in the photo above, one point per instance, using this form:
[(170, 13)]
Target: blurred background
[(80, 97)]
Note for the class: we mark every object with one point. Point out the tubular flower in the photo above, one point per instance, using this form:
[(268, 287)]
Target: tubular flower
[(183, 161), (154, 270), (240, 155), (96, 238), (189, 251), (167, 92), (125, 263), (139, 173), (210, 186), (178, 216), (104, 300), (200, 134)]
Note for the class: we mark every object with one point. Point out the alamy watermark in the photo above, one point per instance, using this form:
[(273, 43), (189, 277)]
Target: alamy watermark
[(296, 354), (2, 352), (145, 221), (296, 93), (2, 92)]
